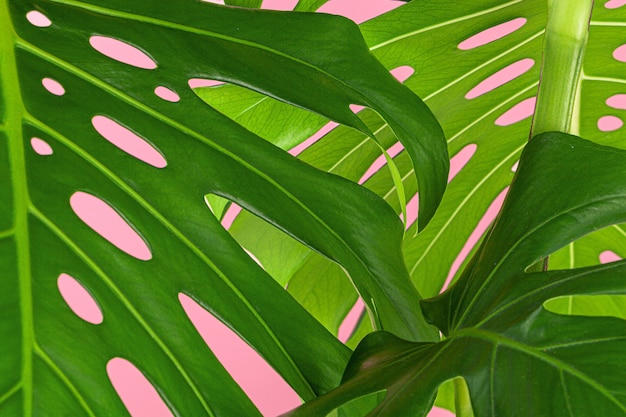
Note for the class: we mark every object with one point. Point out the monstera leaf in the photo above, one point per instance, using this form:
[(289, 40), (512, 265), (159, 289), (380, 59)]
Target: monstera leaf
[(58, 83), (438, 44), (516, 357)]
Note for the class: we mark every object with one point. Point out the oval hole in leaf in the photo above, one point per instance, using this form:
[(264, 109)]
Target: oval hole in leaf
[(265, 387), (166, 94), (514, 167), (122, 52), (522, 110), (128, 141), (202, 82), (36, 18), (617, 101), (53, 86), (609, 123), (620, 53), (458, 161), (107, 222), (492, 34), (503, 76), (479, 231), (402, 73), (609, 256), (139, 396), (40, 146), (588, 305), (79, 300), (614, 4)]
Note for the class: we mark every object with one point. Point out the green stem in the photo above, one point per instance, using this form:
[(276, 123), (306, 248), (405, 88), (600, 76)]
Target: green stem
[(564, 46), (462, 400)]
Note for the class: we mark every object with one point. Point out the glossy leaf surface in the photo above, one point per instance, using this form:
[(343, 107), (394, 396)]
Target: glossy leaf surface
[(52, 361), (498, 333)]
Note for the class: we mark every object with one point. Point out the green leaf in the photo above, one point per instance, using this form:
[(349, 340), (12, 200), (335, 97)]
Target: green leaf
[(52, 362), (309, 5), (253, 4), (499, 335)]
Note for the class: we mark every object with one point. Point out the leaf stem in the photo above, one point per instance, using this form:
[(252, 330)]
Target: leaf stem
[(564, 45)]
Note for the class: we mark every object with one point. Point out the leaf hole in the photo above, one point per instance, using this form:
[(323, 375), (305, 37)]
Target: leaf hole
[(522, 110), (492, 34), (166, 94), (36, 18), (477, 234), (514, 167), (620, 53), (203, 82), (503, 76), (608, 256), (617, 101), (79, 300), (122, 52), (614, 4), (128, 141), (137, 393), (462, 158), (53, 86), (356, 108), (609, 123), (108, 223), (40, 146), (402, 73), (265, 387)]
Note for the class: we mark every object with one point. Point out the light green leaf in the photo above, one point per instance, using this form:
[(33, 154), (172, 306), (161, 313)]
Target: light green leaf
[(52, 362), (498, 332)]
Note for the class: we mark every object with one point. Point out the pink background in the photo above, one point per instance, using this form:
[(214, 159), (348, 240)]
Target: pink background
[(264, 386)]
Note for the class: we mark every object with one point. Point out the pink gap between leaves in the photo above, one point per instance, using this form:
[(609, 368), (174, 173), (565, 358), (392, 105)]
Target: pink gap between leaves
[(266, 388)]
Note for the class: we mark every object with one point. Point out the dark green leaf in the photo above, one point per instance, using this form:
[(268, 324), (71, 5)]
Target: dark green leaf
[(517, 358)]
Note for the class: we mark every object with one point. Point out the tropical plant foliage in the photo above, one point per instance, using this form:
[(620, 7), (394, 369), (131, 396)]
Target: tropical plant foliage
[(310, 225)]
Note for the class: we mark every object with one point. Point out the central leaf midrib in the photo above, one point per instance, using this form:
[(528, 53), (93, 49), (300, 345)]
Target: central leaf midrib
[(14, 111)]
